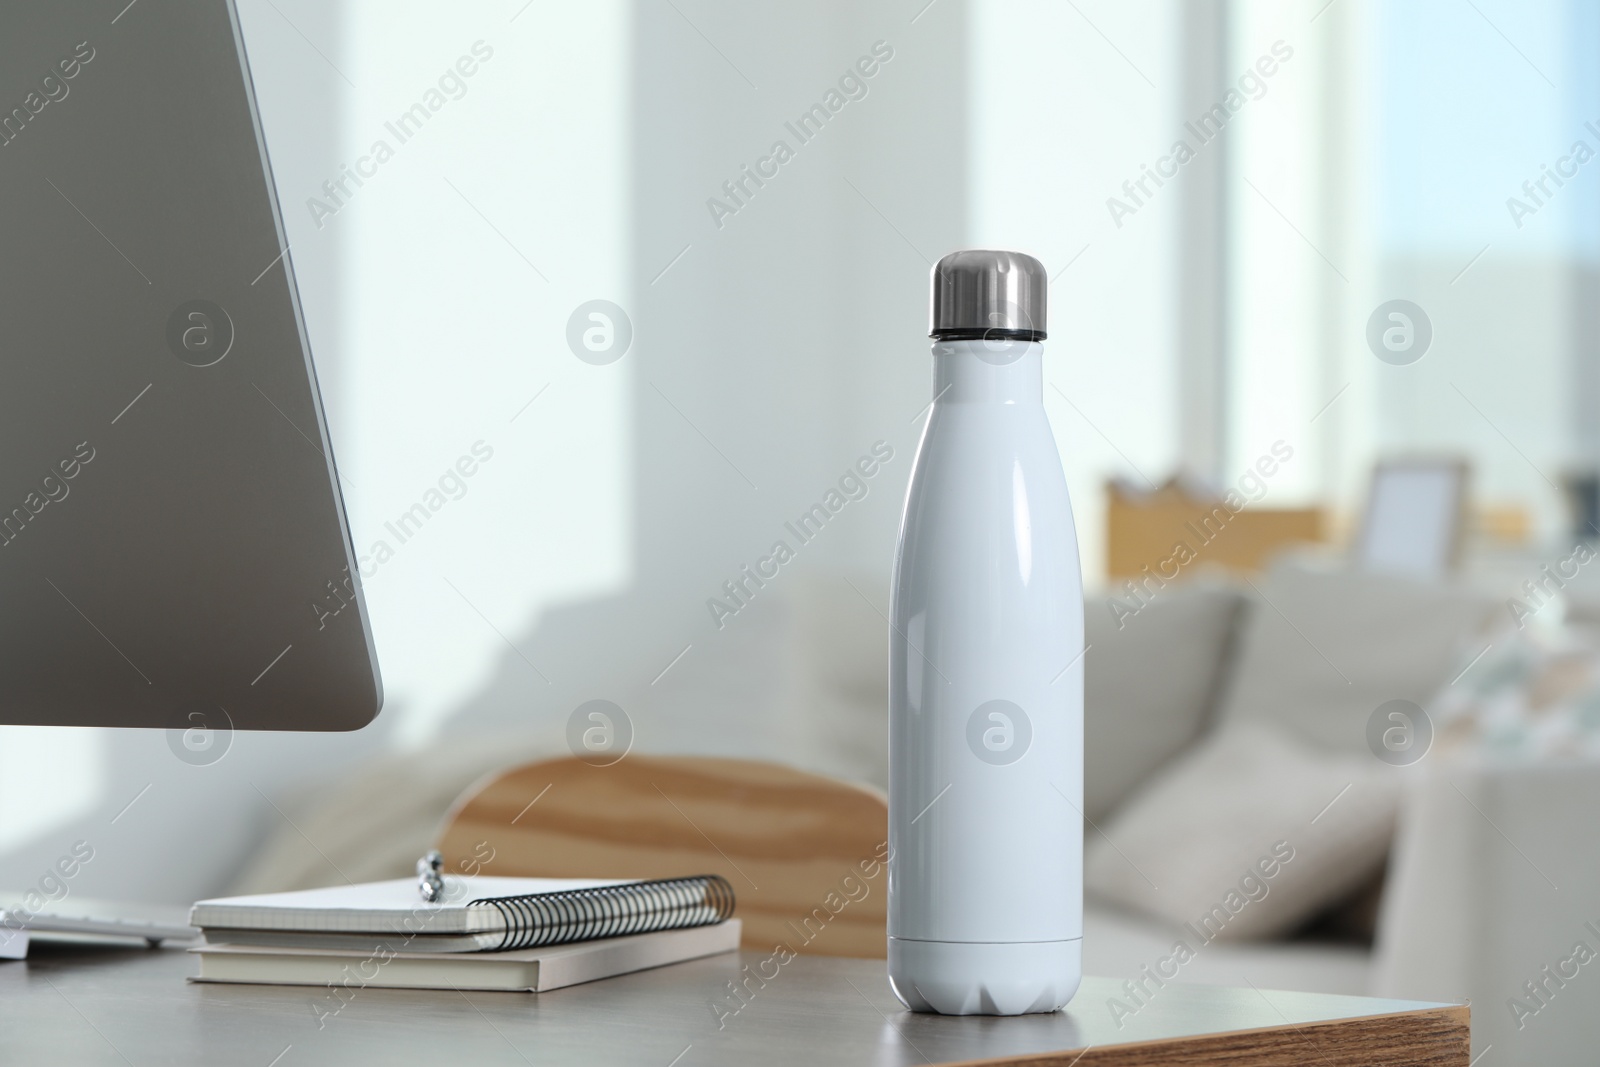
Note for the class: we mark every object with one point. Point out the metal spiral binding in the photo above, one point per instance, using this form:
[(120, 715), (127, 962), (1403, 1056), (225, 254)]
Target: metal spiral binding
[(611, 910)]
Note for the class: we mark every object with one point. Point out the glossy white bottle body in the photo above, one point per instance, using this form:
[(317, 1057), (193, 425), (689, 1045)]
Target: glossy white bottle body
[(986, 701)]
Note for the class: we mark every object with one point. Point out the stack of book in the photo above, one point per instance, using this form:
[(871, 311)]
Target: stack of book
[(531, 934)]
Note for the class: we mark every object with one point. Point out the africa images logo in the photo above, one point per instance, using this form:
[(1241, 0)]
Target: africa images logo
[(1399, 332), (200, 333), (599, 733), (999, 733)]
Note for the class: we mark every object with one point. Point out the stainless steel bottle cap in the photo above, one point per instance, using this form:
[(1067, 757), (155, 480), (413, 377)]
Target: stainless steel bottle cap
[(980, 294)]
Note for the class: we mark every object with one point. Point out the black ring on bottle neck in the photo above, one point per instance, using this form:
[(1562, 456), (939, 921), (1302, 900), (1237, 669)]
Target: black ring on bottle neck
[(988, 333)]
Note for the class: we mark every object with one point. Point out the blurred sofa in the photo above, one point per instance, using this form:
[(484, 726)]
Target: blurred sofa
[(1435, 768), (1224, 718)]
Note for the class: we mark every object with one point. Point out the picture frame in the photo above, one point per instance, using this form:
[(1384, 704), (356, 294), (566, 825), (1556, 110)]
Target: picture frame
[(1414, 522)]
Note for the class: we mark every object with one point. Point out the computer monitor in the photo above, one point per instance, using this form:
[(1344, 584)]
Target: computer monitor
[(174, 550)]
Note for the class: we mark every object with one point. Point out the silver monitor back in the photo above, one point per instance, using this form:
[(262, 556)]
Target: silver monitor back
[(173, 545)]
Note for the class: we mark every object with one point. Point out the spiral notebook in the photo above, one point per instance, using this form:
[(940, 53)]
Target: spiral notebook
[(477, 914)]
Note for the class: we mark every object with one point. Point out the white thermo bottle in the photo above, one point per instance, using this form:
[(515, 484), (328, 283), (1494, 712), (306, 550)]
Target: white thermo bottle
[(986, 670)]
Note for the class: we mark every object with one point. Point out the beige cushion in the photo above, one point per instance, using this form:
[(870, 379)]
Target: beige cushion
[(1324, 648), (1248, 835), (1150, 683)]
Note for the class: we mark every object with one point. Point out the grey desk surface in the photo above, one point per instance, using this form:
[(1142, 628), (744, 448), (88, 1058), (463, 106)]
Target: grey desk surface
[(125, 1007)]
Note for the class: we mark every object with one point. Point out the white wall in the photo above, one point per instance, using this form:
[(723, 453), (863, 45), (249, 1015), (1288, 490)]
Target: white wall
[(788, 339), (769, 354), (1069, 102), (462, 261), (773, 349), (1287, 252)]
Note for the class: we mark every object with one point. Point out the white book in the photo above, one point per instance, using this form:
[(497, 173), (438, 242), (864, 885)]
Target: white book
[(533, 970)]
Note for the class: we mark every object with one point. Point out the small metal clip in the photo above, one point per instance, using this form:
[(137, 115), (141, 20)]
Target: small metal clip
[(430, 876)]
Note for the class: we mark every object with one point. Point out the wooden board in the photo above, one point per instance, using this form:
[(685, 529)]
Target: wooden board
[(110, 1008), (1172, 532), (803, 853), (1434, 1037)]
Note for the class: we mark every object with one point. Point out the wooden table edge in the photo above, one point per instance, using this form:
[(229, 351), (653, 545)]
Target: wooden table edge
[(1435, 1036)]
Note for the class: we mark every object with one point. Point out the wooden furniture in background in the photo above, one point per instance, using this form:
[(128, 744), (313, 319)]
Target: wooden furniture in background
[(1504, 525), (1146, 530), (803, 853)]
